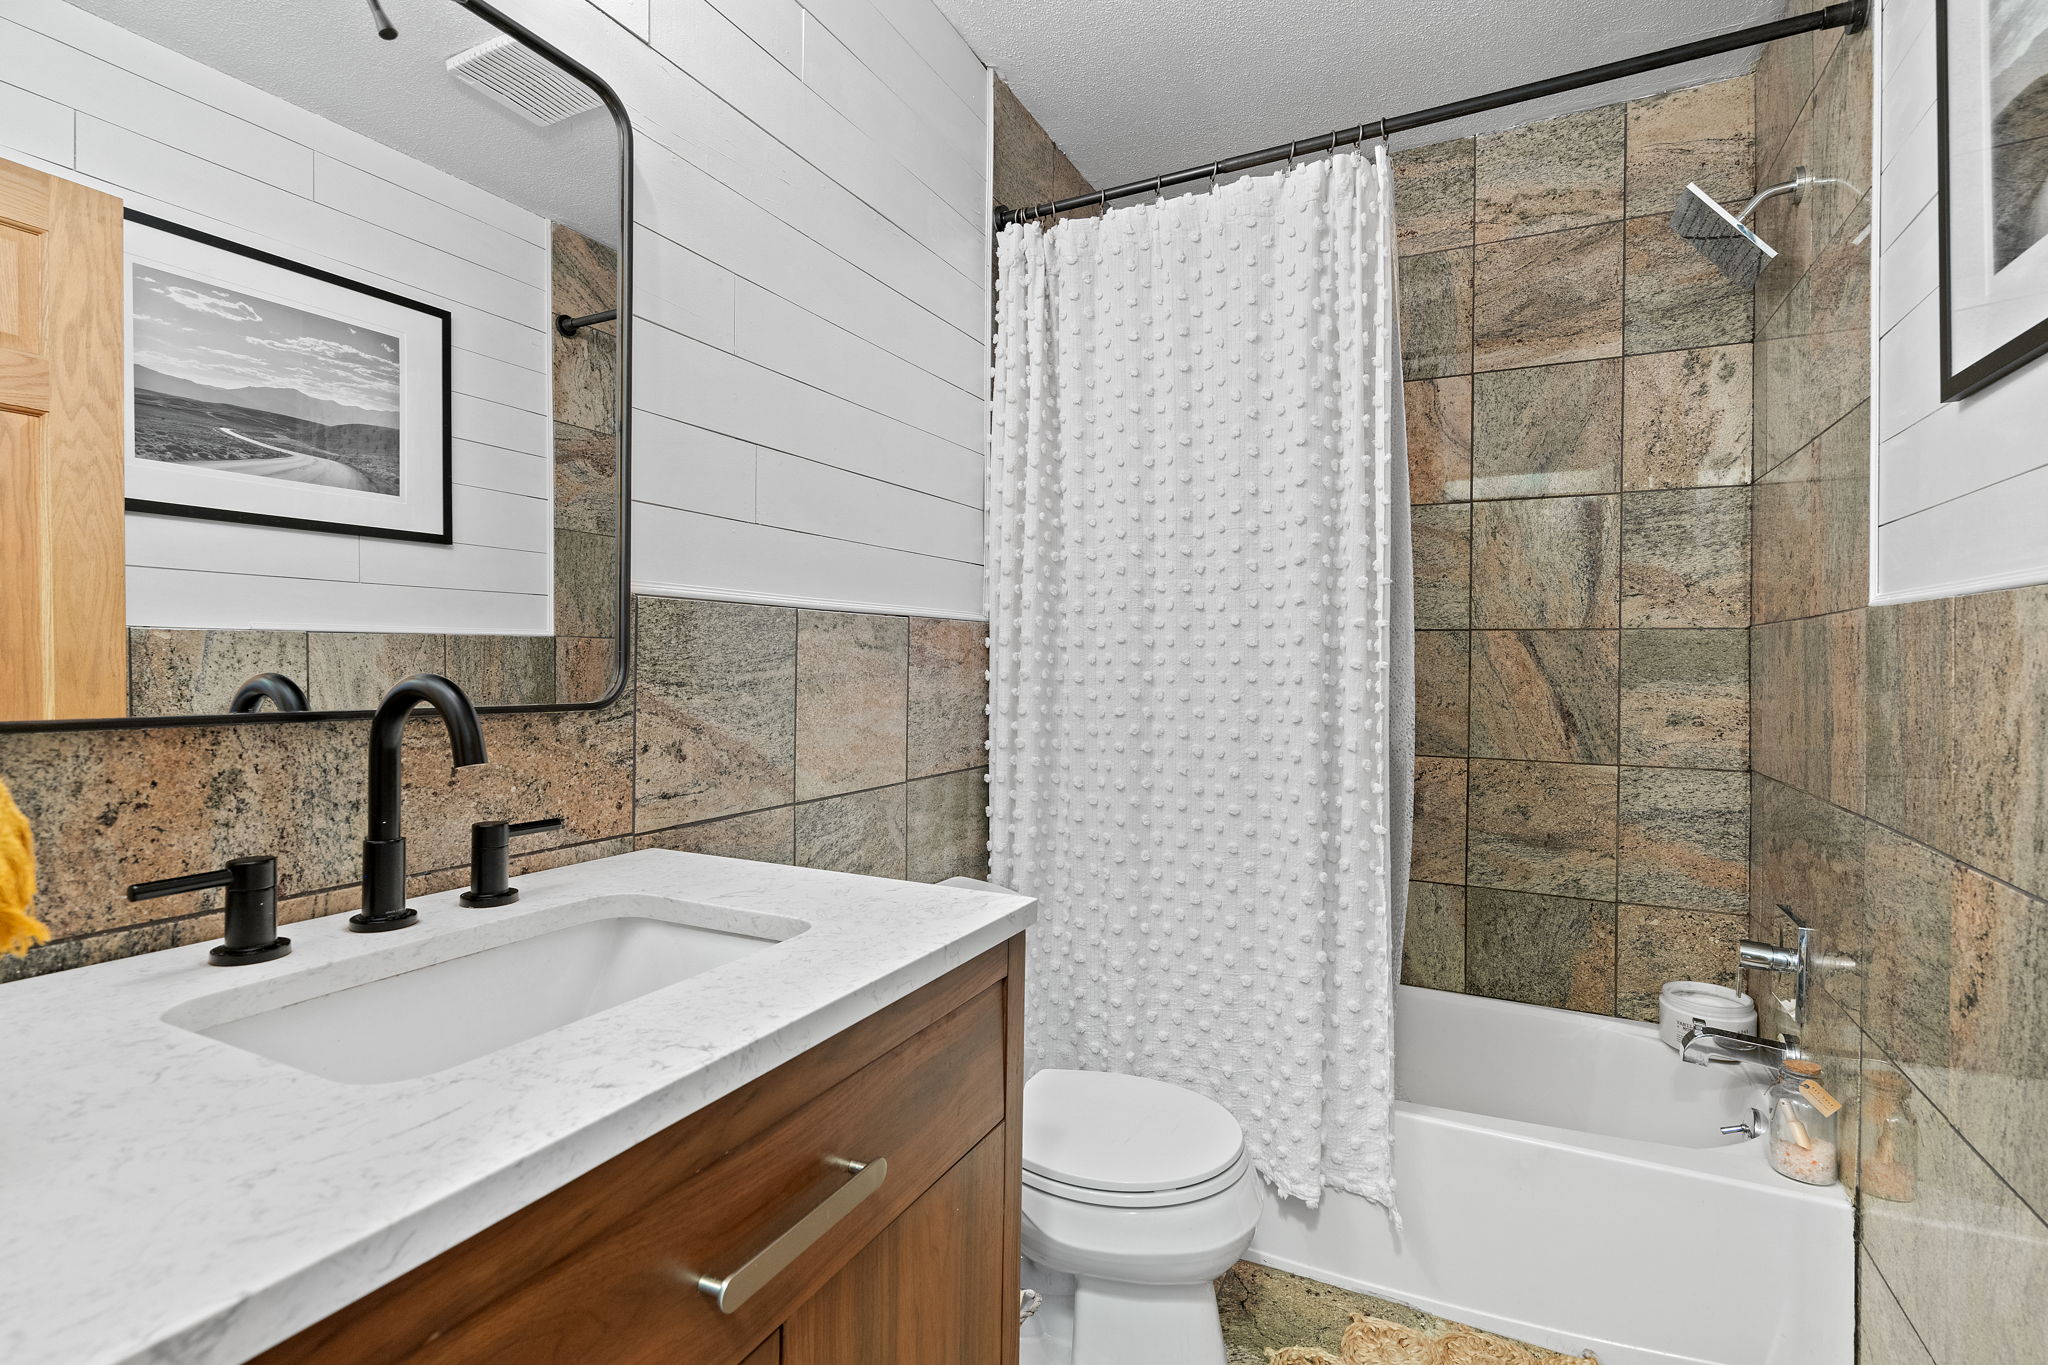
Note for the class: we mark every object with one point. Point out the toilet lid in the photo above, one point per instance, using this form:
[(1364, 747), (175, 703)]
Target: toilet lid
[(1106, 1132)]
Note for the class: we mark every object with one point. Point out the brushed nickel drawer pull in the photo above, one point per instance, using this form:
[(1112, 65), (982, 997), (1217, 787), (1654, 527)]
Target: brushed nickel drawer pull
[(735, 1289)]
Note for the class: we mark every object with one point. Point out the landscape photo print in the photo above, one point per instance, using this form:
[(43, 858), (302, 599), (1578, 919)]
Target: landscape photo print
[(1991, 154), (262, 389), (267, 391)]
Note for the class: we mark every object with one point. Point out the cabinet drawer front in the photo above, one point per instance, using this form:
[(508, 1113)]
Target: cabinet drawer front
[(633, 1295)]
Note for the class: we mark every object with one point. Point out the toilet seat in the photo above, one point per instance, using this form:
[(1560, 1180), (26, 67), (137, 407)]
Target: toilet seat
[(1095, 1137), (1141, 1199)]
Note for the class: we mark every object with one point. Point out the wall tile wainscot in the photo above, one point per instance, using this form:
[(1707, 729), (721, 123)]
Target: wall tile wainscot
[(825, 739)]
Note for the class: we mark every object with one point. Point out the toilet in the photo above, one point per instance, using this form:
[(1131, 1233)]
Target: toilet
[(1142, 1193), (1137, 1195)]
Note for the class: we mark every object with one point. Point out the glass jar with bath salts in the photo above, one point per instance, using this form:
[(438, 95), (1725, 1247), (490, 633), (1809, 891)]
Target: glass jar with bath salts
[(1802, 1125), (1891, 1166)]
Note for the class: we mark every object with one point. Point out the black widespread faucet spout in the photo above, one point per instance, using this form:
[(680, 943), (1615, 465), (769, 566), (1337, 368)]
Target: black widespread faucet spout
[(282, 692), (384, 904)]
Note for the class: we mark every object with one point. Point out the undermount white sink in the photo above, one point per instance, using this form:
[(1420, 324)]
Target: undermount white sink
[(432, 1017)]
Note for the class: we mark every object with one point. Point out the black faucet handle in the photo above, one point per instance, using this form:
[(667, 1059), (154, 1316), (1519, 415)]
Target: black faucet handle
[(490, 859), (251, 908)]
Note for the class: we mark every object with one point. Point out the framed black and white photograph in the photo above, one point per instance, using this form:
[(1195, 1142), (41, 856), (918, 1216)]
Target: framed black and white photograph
[(1991, 87), (266, 391)]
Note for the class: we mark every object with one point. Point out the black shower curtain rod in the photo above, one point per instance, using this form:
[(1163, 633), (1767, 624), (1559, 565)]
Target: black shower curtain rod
[(1852, 15)]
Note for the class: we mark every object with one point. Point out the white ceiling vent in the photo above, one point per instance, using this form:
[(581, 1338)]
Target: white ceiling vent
[(516, 75)]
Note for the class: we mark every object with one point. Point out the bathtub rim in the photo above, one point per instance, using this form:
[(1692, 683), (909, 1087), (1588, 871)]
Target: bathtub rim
[(1736, 1163), (1741, 1162)]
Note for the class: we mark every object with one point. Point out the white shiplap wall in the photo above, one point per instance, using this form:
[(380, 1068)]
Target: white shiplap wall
[(1961, 489), (84, 98), (812, 247)]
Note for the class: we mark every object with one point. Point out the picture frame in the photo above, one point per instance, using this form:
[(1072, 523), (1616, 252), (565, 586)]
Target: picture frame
[(268, 392), (1991, 134)]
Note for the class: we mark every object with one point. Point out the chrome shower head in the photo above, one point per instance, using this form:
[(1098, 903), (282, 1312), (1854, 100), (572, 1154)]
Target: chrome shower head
[(1723, 237), (1720, 236)]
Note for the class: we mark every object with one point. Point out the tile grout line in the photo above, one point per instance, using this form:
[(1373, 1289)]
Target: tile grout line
[(1471, 560), (1620, 553), (1757, 156), (796, 692), (1911, 1325), (909, 649)]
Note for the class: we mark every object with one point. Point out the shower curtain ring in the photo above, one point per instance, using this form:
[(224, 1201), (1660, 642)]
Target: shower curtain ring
[(1383, 128), (1159, 188), (1290, 151)]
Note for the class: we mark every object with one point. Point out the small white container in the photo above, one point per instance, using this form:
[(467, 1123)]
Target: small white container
[(1684, 1001)]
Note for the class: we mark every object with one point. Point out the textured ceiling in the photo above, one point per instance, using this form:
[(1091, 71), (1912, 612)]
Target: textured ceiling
[(1133, 88), (325, 56)]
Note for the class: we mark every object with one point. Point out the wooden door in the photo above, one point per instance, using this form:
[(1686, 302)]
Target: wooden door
[(63, 640), (931, 1289)]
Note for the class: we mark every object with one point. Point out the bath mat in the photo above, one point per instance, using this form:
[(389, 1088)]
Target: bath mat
[(1375, 1341), (1273, 1318)]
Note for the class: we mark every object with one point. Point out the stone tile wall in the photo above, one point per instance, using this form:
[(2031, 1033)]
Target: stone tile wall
[(1029, 166), (1579, 455), (825, 739), (1900, 796)]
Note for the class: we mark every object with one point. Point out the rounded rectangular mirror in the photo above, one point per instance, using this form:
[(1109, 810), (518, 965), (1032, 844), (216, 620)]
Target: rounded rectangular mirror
[(315, 376)]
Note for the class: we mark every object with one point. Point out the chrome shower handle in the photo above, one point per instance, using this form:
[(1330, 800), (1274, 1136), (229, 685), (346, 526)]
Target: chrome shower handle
[(1794, 962), (1802, 963), (1769, 957)]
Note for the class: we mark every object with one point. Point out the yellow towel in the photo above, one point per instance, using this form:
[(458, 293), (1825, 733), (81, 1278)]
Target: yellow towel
[(19, 930)]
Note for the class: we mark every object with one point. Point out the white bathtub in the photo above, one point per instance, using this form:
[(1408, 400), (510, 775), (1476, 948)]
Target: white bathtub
[(1561, 1180)]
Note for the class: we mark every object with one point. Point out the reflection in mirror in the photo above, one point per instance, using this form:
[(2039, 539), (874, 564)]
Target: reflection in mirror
[(281, 692), (320, 275)]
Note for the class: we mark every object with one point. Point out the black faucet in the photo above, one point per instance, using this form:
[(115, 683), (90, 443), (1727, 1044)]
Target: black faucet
[(283, 693), (384, 904)]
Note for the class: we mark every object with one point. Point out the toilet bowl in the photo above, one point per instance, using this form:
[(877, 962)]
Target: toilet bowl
[(1142, 1192)]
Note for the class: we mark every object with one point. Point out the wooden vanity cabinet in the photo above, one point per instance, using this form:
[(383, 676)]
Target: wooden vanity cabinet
[(919, 1269)]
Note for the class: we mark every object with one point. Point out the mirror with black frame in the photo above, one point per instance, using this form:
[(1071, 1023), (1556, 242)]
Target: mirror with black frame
[(315, 372)]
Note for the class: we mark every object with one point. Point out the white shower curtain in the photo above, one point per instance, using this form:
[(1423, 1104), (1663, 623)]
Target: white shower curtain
[(1200, 725)]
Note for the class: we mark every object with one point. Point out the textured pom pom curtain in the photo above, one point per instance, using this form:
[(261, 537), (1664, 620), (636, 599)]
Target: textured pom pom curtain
[(1201, 705)]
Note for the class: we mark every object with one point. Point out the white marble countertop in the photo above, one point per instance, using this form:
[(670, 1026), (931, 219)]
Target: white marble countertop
[(165, 1197)]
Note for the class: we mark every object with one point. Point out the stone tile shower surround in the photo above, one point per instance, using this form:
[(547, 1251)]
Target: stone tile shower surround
[(1899, 802), (826, 739), (1578, 404)]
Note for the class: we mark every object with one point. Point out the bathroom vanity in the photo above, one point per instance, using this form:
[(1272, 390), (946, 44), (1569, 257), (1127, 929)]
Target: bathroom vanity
[(919, 1265), (751, 1113)]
